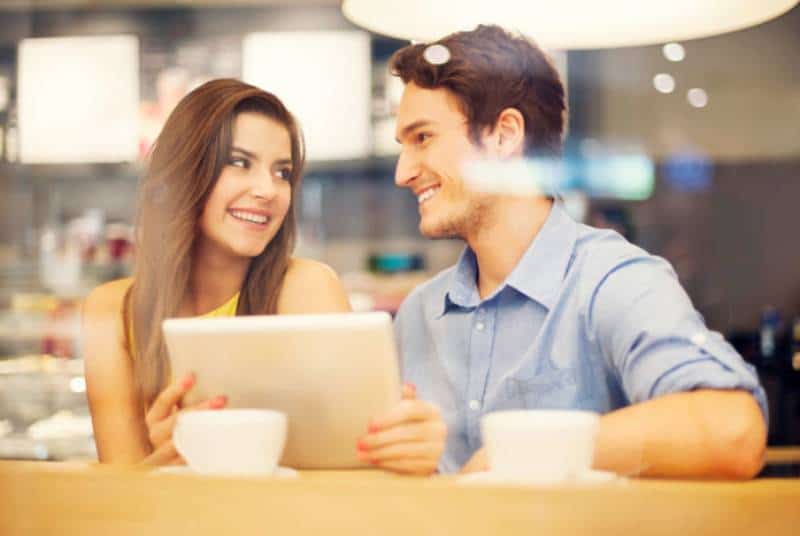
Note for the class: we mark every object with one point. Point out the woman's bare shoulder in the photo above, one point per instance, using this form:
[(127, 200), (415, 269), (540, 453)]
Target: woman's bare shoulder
[(107, 298), (311, 287)]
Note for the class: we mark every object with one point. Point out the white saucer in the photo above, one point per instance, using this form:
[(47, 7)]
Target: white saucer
[(493, 479), (280, 472)]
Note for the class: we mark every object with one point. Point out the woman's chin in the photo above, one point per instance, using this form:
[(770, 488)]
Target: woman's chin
[(248, 251)]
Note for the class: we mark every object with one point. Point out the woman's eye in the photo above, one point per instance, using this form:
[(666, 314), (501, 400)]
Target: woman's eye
[(238, 161), (285, 173)]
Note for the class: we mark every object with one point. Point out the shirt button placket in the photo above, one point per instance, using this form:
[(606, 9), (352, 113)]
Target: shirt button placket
[(474, 404)]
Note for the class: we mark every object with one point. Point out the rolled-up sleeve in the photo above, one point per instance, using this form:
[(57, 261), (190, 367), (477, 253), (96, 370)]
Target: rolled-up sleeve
[(650, 333)]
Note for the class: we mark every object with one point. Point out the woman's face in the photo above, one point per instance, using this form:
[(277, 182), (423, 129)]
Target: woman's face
[(252, 195)]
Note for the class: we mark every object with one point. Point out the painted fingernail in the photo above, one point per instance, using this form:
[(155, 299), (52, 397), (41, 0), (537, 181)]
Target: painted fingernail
[(372, 428), (411, 386), (219, 401), (361, 445), (187, 381), (373, 462)]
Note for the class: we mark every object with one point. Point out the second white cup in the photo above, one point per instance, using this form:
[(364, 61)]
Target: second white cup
[(542, 446)]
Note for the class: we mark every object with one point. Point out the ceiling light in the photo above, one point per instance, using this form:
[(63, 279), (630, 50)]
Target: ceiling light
[(697, 97), (674, 52), (567, 24), (664, 83)]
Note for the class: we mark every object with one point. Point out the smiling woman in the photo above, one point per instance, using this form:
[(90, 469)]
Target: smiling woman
[(215, 232)]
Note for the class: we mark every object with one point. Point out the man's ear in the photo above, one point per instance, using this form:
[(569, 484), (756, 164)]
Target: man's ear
[(509, 133)]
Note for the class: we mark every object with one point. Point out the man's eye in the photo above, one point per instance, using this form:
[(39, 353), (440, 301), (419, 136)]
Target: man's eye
[(422, 137), (239, 162)]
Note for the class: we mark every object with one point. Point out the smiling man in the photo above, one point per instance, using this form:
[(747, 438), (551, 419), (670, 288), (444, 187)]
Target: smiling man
[(541, 311)]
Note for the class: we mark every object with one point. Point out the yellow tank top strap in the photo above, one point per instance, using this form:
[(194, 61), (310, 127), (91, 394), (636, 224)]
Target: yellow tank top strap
[(226, 309)]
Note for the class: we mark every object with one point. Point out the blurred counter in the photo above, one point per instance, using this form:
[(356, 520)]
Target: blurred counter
[(43, 410)]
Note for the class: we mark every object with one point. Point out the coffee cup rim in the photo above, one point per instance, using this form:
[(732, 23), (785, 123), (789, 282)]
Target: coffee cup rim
[(544, 416), (226, 415)]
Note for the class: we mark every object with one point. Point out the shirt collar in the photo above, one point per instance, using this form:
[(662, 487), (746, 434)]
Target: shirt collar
[(539, 273), (462, 289)]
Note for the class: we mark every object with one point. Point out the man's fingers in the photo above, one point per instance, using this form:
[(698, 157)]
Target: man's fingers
[(169, 398)]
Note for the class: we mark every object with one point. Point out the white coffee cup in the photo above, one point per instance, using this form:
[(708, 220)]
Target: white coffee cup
[(541, 446), (231, 441)]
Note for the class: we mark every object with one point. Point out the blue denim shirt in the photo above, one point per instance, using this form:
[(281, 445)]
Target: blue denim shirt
[(586, 320)]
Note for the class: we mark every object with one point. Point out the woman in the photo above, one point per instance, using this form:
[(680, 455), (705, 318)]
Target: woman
[(215, 231)]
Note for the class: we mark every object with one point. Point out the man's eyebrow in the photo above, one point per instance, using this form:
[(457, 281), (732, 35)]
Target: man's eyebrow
[(413, 126)]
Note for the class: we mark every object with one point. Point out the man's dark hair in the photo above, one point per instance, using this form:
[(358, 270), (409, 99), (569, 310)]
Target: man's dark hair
[(489, 70)]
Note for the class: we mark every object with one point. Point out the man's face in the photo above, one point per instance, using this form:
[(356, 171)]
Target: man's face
[(435, 143)]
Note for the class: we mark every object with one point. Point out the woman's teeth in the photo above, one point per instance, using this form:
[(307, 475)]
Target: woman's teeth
[(249, 216)]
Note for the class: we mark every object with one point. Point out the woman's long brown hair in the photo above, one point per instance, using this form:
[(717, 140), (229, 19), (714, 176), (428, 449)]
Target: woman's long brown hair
[(184, 165)]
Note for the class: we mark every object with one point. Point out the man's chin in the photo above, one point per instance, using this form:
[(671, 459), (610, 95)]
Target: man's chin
[(436, 231)]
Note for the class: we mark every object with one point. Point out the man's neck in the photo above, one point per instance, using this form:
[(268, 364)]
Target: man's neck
[(502, 239)]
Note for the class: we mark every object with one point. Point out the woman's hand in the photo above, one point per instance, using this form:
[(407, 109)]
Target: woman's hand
[(478, 462), (408, 439), (161, 416)]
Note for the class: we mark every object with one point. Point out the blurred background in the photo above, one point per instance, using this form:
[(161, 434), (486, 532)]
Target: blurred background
[(690, 150)]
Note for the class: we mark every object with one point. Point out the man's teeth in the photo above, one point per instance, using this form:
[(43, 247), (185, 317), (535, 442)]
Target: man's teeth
[(427, 194), (248, 216)]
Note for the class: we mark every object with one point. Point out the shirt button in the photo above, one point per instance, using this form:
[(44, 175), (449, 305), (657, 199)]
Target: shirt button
[(480, 326), (474, 405)]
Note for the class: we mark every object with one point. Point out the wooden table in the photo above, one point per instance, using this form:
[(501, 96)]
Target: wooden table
[(65, 499), (781, 455)]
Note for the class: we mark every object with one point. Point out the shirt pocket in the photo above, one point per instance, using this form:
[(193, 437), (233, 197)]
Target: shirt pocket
[(554, 389)]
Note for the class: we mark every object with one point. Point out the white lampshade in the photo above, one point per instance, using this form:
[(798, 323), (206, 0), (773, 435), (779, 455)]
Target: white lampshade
[(78, 99), (323, 77), (566, 24)]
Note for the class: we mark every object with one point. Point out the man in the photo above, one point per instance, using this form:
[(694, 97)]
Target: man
[(543, 312)]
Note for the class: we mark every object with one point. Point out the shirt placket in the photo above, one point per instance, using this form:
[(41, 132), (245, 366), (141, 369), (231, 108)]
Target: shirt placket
[(480, 355)]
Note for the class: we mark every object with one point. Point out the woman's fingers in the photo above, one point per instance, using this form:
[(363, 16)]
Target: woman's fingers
[(162, 430), (407, 466), (408, 439), (403, 412), (425, 450), (164, 454), (168, 399), (434, 430)]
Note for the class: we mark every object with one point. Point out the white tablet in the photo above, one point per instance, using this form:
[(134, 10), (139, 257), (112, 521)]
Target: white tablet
[(330, 373)]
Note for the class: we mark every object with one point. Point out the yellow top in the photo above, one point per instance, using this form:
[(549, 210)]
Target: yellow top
[(226, 309)]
